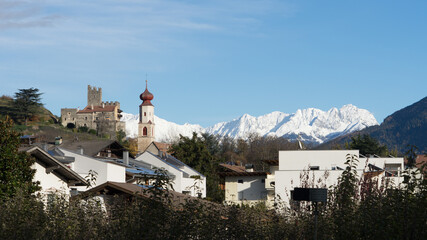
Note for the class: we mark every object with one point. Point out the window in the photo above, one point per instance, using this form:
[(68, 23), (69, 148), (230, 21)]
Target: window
[(263, 180), (240, 181), (314, 168), (144, 131), (145, 114), (65, 119), (186, 192)]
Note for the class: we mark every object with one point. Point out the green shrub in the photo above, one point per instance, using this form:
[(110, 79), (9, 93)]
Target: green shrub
[(83, 129)]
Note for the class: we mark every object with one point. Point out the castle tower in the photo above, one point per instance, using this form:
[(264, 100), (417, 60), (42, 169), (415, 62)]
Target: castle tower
[(94, 96), (146, 120)]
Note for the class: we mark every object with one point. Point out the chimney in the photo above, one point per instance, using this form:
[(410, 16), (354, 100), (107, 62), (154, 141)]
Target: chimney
[(45, 147), (126, 157), (103, 105), (91, 106)]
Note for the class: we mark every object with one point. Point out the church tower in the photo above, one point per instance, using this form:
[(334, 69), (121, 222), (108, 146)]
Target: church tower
[(146, 120)]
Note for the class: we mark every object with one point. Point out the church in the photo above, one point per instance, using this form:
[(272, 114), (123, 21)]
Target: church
[(186, 180), (146, 124)]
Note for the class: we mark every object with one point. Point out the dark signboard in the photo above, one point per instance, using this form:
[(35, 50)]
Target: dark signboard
[(310, 194)]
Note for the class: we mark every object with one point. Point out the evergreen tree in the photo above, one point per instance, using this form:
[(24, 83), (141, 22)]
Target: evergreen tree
[(367, 145), (199, 153), (27, 102), (15, 167)]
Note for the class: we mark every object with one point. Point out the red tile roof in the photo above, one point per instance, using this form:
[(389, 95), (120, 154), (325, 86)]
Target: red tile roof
[(233, 168), (88, 109), (164, 147), (272, 162)]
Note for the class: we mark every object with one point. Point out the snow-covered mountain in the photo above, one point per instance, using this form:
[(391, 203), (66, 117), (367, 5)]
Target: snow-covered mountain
[(165, 131), (313, 125)]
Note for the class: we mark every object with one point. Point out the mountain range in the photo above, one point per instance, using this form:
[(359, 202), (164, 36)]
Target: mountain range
[(312, 125), (407, 126)]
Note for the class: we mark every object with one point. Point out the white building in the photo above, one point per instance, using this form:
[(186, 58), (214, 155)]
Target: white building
[(322, 168), (102, 169), (184, 179), (53, 176), (242, 185)]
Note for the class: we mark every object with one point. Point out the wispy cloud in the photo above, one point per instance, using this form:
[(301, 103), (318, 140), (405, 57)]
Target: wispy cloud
[(23, 14), (108, 22)]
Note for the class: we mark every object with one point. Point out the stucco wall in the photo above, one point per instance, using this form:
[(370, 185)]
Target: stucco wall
[(251, 189), (105, 171), (294, 169), (49, 182), (183, 181)]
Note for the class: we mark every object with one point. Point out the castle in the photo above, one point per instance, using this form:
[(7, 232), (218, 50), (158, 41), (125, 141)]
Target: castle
[(104, 117)]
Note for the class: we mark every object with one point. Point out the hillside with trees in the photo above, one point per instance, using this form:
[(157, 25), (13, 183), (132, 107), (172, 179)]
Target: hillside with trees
[(25, 107)]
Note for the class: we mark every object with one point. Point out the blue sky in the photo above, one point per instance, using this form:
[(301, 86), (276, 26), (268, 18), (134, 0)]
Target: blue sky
[(212, 61)]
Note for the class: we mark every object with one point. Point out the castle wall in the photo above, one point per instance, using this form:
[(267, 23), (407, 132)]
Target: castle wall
[(105, 122), (68, 115), (94, 96)]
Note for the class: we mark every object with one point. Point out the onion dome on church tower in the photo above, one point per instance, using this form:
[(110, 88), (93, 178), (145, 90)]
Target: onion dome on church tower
[(146, 96)]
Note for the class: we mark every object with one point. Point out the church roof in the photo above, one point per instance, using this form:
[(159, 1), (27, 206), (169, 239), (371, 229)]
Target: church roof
[(89, 109), (146, 97)]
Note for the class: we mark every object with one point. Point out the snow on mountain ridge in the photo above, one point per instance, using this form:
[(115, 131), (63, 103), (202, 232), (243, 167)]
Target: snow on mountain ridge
[(314, 125)]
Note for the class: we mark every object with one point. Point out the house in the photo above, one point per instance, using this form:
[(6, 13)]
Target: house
[(242, 185), (28, 140), (111, 193), (420, 163), (158, 148), (100, 170), (184, 179), (98, 148), (54, 177), (270, 181), (322, 168)]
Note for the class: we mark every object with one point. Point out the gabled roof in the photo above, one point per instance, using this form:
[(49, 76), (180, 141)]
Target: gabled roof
[(171, 161), (164, 147), (233, 168), (89, 109), (54, 166), (116, 188), (91, 147), (140, 171)]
